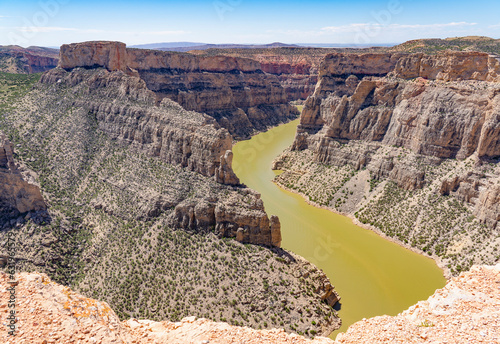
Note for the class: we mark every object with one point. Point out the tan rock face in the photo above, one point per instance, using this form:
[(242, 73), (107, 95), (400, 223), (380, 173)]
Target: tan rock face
[(232, 90), (431, 118), (110, 55), (16, 195), (224, 174), (167, 131), (449, 66), (444, 106)]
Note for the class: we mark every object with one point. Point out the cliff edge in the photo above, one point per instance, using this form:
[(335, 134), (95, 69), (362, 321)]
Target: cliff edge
[(234, 91)]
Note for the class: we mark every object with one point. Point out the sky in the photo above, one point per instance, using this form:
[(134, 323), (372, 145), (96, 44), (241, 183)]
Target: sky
[(56, 22)]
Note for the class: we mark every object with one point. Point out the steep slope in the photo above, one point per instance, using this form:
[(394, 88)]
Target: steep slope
[(234, 91), (138, 206), (388, 138), (17, 196)]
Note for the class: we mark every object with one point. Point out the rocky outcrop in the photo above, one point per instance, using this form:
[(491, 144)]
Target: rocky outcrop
[(167, 131), (248, 224), (17, 196), (450, 66), (224, 174), (48, 312), (234, 91), (368, 98), (464, 311)]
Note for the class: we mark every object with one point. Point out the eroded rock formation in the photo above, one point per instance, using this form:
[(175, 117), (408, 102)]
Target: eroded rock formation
[(125, 109), (234, 91), (17, 196), (375, 99), (15, 59)]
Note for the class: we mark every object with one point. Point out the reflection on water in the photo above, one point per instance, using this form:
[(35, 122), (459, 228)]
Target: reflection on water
[(372, 275)]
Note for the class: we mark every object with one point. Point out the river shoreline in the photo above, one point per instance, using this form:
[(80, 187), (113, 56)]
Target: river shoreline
[(436, 259)]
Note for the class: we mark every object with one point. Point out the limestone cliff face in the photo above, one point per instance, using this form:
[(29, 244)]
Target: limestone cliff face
[(125, 109), (167, 131), (431, 118), (234, 91), (444, 106), (17, 196)]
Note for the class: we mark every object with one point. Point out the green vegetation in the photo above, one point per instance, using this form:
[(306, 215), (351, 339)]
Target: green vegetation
[(110, 238)]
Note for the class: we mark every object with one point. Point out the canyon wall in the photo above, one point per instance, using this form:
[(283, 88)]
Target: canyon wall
[(127, 110), (234, 91), (409, 145), (17, 196), (376, 98), (14, 59)]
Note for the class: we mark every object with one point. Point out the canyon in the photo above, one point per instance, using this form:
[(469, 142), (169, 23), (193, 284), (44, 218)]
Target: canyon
[(127, 154), (130, 177), (406, 130)]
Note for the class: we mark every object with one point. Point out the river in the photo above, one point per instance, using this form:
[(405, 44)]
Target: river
[(372, 275)]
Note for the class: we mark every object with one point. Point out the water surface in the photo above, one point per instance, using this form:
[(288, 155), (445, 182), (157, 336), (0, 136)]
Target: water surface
[(372, 275)]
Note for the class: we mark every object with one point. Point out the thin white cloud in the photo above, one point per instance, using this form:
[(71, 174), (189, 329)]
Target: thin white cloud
[(165, 33), (367, 26), (48, 29), (496, 26)]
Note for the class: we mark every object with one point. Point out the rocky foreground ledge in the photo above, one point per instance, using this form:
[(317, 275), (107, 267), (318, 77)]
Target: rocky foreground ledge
[(466, 310)]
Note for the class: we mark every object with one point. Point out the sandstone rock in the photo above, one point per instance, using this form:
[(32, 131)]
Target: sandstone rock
[(224, 174), (16, 195), (167, 131), (232, 90), (439, 120)]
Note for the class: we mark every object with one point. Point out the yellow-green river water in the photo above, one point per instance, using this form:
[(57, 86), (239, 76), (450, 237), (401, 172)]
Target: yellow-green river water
[(372, 275)]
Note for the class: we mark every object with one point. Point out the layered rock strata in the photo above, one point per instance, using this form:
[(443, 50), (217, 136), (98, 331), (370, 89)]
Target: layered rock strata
[(443, 106), (14, 59), (408, 144), (17, 196), (124, 108), (234, 91)]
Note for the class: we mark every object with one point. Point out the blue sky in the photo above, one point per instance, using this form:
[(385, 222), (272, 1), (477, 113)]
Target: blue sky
[(55, 22)]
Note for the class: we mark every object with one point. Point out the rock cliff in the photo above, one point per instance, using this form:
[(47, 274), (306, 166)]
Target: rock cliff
[(234, 91), (14, 59), (375, 98), (17, 196), (125, 109), (429, 124)]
